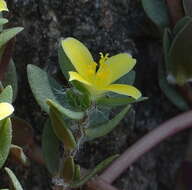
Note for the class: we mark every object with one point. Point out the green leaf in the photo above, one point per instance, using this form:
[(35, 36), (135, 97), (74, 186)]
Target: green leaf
[(116, 101), (6, 95), (181, 23), (11, 78), (5, 56), (95, 171), (170, 92), (3, 21), (14, 181), (80, 87), (77, 174), (180, 56), (7, 34), (61, 129), (157, 11), (104, 129), (50, 147), (44, 87), (1, 17), (65, 112), (98, 115), (129, 78), (78, 100), (68, 169), (64, 62), (167, 40), (5, 140), (187, 5)]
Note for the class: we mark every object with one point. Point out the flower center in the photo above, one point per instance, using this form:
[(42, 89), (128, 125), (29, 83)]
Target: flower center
[(102, 73), (98, 73), (92, 68), (98, 68)]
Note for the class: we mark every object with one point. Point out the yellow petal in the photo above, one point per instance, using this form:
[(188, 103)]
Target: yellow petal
[(3, 6), (124, 90), (6, 110), (78, 77), (78, 54), (120, 65)]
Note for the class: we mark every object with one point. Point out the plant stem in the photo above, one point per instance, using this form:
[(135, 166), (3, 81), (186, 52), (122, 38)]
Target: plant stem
[(99, 184), (175, 10), (146, 143)]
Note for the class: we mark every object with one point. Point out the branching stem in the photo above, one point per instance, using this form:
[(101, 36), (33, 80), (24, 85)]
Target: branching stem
[(146, 143)]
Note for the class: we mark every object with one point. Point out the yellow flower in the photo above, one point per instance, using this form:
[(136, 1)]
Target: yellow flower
[(3, 6), (6, 110), (98, 78)]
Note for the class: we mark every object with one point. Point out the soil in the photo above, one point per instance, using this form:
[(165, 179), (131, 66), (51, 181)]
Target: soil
[(104, 26)]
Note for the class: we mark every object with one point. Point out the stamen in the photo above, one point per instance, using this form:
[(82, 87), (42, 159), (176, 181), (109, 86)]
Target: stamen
[(103, 59)]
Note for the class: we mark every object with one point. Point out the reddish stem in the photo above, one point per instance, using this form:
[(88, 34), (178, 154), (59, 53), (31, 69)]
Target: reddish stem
[(133, 153), (146, 143), (175, 10), (99, 184)]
